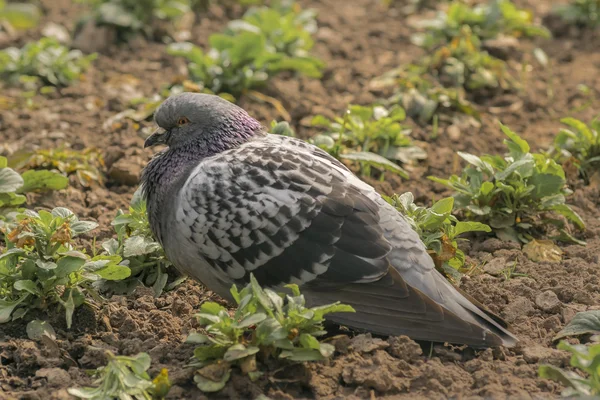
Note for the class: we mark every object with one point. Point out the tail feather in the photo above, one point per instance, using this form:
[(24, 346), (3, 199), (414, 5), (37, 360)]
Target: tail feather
[(391, 307)]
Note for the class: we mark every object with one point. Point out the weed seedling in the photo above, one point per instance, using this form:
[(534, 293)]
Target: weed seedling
[(265, 324), (131, 17), (46, 61), (438, 228), (85, 165), (586, 360), (41, 266), (579, 145), (140, 253), (252, 50), (19, 15), (422, 96), (13, 185), (513, 194), (581, 12), (487, 21), (369, 135), (125, 378)]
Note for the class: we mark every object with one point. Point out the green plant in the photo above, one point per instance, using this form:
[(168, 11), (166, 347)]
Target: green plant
[(513, 193), (85, 164), (438, 228), (581, 12), (265, 324), (487, 21), (422, 96), (13, 185), (585, 359), (46, 60), (130, 17), (125, 377), (580, 145), (140, 253), (462, 63), (252, 50), (370, 135), (19, 15), (41, 267)]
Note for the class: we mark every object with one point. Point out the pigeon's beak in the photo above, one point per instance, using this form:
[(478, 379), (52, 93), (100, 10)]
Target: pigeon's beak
[(159, 136)]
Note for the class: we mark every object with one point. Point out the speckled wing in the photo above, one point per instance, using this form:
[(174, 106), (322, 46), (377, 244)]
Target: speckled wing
[(282, 214), (287, 212)]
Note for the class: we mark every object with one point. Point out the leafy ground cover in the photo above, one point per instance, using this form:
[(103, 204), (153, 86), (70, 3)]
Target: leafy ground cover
[(356, 44)]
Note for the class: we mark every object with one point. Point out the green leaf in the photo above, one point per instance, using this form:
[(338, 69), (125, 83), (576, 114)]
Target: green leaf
[(583, 323), (443, 206), (239, 351), (204, 353), (47, 265), (10, 180), (566, 378), (197, 338), (28, 286), (469, 226), (580, 126), (320, 311), (7, 307), (211, 386), (114, 272), (486, 188), (478, 162), (36, 329), (21, 15), (67, 265), (80, 227), (570, 214), (210, 307), (375, 160), (43, 180), (69, 306), (302, 355), (261, 296), (309, 342), (523, 145), (546, 185), (138, 246), (250, 320)]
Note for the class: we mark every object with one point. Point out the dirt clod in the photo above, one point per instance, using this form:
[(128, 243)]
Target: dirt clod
[(548, 301)]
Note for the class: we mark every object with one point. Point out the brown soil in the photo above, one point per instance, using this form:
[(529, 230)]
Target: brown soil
[(358, 42)]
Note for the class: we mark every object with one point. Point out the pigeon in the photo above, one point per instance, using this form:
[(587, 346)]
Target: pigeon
[(226, 199)]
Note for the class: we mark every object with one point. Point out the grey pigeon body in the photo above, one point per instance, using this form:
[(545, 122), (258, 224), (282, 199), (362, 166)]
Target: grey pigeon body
[(226, 200)]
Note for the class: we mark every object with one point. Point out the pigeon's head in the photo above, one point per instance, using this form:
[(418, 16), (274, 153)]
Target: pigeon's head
[(189, 119)]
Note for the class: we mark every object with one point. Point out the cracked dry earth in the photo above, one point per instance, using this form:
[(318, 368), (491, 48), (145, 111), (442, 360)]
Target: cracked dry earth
[(358, 42)]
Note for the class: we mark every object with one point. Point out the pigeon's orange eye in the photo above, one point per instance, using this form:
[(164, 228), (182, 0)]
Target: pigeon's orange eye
[(182, 121)]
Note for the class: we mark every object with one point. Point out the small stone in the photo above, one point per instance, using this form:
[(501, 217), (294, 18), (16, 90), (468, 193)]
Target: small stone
[(495, 266), (366, 344), (552, 324), (91, 38), (548, 301), (56, 376), (519, 306), (502, 47), (57, 32), (125, 172), (540, 354), (404, 348), (583, 298), (568, 313), (453, 132)]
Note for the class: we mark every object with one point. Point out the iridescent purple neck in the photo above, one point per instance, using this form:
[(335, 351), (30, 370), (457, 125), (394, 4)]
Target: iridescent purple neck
[(167, 172)]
